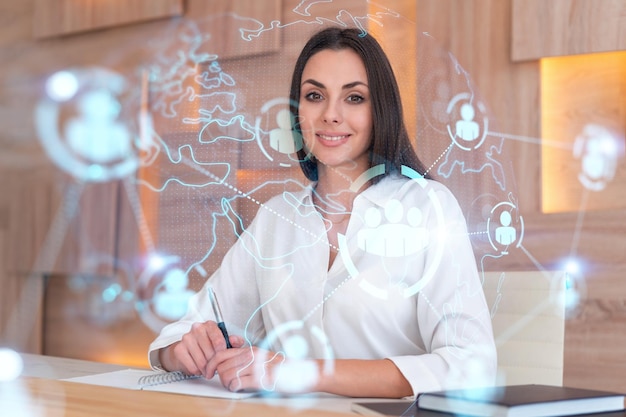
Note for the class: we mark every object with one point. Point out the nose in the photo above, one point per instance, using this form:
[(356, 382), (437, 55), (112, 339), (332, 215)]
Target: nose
[(332, 113)]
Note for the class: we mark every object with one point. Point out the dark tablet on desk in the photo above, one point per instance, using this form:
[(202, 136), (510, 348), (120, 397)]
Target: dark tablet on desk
[(409, 409), (386, 408)]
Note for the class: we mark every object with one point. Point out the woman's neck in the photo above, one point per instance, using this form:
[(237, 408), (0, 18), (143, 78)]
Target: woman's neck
[(333, 198), (334, 191), (338, 181)]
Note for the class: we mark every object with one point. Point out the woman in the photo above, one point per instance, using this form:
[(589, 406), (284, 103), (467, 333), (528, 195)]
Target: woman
[(363, 284)]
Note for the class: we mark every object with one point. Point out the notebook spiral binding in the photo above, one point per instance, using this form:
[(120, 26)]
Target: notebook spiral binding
[(164, 378)]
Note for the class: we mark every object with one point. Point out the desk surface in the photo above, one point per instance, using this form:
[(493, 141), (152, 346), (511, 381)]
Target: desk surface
[(40, 393), (33, 397), (40, 387)]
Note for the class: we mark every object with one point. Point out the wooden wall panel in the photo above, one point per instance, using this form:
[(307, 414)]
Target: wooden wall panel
[(32, 207), (21, 293), (21, 311), (62, 17), (399, 40), (478, 33), (13, 332), (229, 19), (566, 27), (73, 306)]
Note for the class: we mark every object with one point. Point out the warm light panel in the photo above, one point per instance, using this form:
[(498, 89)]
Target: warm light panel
[(576, 92)]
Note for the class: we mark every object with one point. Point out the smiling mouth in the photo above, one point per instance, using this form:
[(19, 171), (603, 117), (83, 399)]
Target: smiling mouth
[(332, 138)]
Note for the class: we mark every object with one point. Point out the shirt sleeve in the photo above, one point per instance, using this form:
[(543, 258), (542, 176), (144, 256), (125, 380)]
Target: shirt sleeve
[(452, 314), (236, 289)]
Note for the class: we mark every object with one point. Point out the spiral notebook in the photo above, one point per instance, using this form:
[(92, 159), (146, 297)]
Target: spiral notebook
[(171, 382)]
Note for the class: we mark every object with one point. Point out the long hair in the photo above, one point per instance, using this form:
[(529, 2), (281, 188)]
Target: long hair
[(390, 143)]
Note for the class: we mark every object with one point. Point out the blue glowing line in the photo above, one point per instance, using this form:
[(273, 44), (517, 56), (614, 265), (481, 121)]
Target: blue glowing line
[(495, 166), (230, 98), (531, 257), (366, 176), (222, 123), (579, 222), (537, 141), (343, 18), (214, 82), (482, 262), (197, 165), (140, 218)]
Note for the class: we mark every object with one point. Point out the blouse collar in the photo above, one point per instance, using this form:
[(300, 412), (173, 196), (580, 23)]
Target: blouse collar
[(378, 194)]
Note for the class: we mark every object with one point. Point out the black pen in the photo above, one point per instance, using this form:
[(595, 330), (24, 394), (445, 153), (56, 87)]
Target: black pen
[(218, 316)]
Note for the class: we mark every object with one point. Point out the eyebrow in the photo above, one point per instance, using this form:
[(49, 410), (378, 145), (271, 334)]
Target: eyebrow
[(345, 87)]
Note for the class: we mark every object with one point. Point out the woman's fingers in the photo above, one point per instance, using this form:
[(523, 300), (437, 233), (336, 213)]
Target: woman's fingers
[(236, 341), (247, 368), (198, 346)]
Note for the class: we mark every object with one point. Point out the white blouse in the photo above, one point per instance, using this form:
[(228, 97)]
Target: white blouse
[(404, 286)]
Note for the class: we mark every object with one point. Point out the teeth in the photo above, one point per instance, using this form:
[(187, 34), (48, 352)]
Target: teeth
[(333, 138)]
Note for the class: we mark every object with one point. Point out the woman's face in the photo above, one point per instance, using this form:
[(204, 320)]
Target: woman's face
[(335, 111)]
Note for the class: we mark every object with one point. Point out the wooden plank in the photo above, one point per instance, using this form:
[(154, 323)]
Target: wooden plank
[(32, 207), (592, 343), (543, 28), (398, 37), (509, 91), (75, 305), (596, 239), (21, 317), (20, 297), (236, 28), (62, 17)]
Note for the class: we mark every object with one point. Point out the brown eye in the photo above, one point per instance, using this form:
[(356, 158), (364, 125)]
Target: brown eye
[(313, 96), (355, 99)]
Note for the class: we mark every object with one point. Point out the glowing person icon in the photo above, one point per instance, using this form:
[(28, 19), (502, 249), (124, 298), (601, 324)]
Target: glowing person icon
[(394, 233), (282, 139), (598, 151), (417, 235), (171, 304), (369, 238), (300, 373), (505, 234), (96, 135), (467, 129), (594, 162)]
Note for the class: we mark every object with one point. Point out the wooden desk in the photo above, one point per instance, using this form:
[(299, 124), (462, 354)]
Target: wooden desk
[(40, 393), (53, 367), (39, 397), (40, 387)]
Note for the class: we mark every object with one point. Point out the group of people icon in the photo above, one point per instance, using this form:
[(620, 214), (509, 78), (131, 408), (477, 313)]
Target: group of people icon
[(392, 237)]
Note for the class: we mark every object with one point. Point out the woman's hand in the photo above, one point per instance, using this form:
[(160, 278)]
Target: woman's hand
[(197, 347), (253, 369), (202, 351)]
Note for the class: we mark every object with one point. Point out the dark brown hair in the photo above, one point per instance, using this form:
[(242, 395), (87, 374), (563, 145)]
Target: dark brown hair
[(391, 145)]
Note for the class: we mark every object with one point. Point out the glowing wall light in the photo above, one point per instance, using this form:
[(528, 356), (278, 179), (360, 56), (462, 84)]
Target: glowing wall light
[(583, 120)]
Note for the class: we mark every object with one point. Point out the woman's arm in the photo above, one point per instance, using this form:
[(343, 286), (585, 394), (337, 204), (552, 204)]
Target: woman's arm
[(365, 378), (252, 368)]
